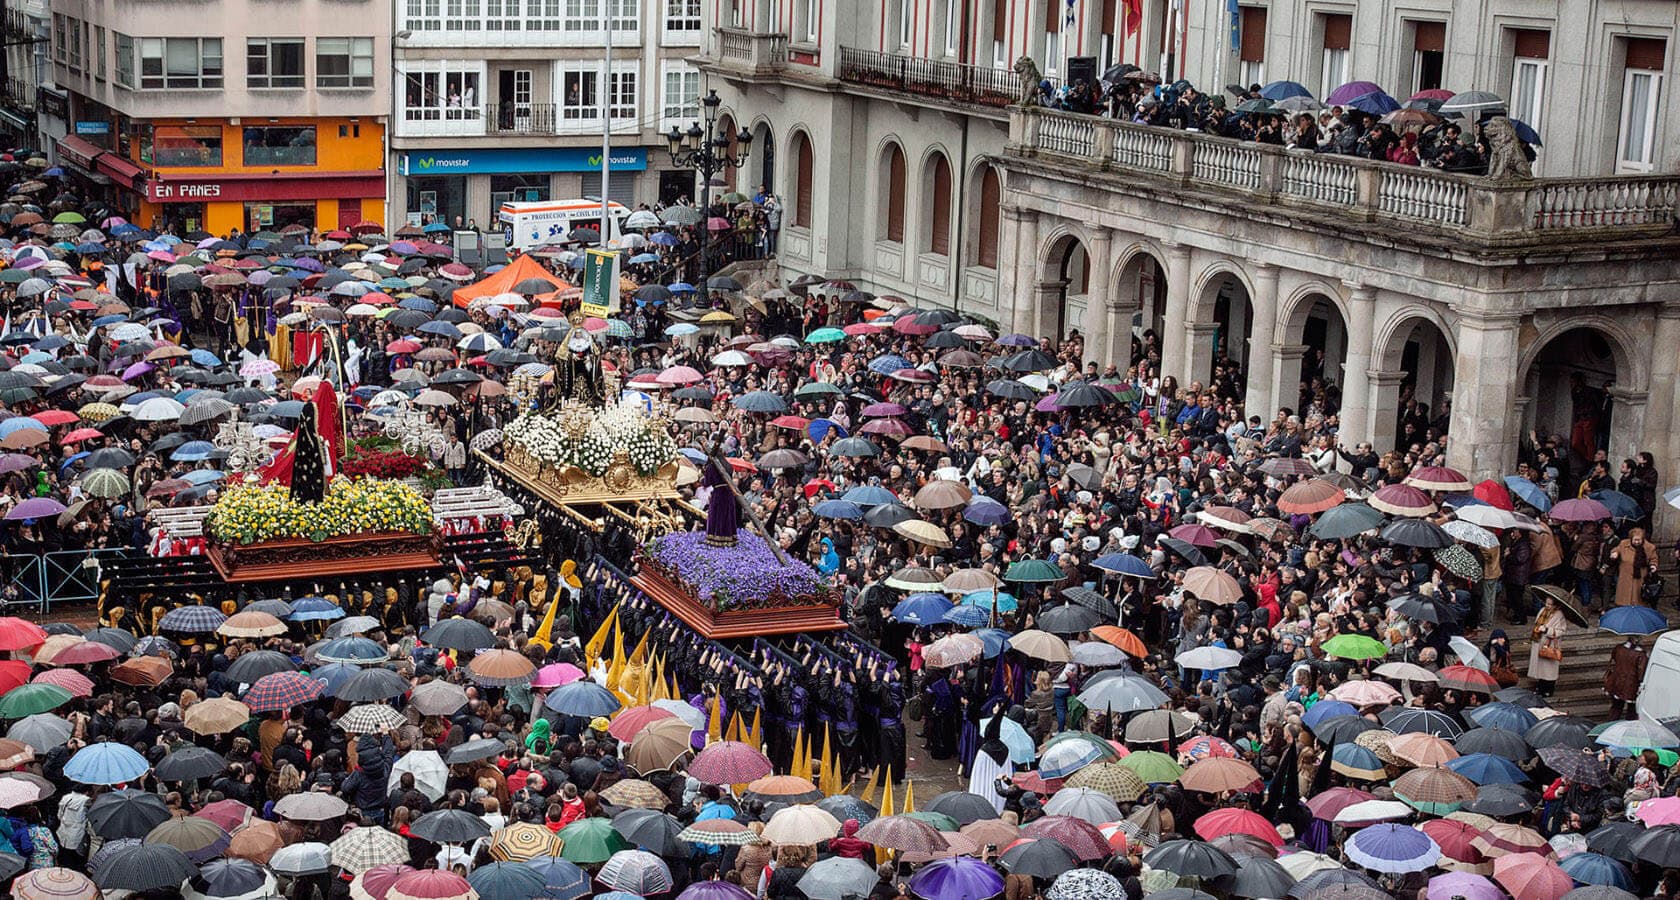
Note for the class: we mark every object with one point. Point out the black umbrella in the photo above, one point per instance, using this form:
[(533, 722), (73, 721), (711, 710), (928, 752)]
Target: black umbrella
[(67, 628), (1411, 720), (116, 638), (1184, 549), (653, 831), (1501, 800), (1343, 729), (460, 634), (148, 867), (407, 318), (1524, 698), (108, 458), (372, 686), (1084, 394), (845, 806), (1042, 858), (963, 806), (457, 376), (1578, 765), (1428, 609), (473, 751), (1615, 839), (1084, 476), (229, 878), (450, 826), (1420, 533), (1497, 741), (1092, 601), (1195, 859), (694, 393), (1561, 731), (722, 283), (944, 340), (1257, 876), (1010, 389), (255, 664), (1068, 619), (1326, 882), (886, 515), (126, 813), (1345, 521), (1032, 360), (1659, 846), (189, 763)]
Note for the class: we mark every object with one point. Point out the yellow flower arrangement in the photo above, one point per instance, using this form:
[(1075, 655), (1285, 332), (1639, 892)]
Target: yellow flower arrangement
[(252, 514)]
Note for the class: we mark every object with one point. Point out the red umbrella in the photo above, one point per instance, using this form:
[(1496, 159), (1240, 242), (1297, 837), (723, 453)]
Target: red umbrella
[(1401, 500), (1465, 678), (82, 434), (678, 375), (908, 325), (1455, 839), (230, 815), (76, 683), (1038, 784), (55, 417), (1438, 478), (1310, 497), (1494, 494), (403, 346), (13, 672), (628, 723), (430, 884), (19, 634), (729, 762), (1530, 876), (1432, 94), (1230, 820), (1328, 804), (791, 423), (1078, 835), (84, 653), (861, 329), (1197, 535)]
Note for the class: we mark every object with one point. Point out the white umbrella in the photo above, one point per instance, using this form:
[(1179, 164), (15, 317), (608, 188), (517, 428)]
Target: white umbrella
[(1305, 862), (1373, 811), (434, 397), (1083, 803), (1471, 533), (158, 409), (1209, 658), (307, 858), (732, 358), (430, 773), (1488, 517), (694, 717), (801, 824), (1468, 654)]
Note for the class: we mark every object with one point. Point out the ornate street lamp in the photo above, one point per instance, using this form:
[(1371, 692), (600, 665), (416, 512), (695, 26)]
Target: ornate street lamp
[(691, 150)]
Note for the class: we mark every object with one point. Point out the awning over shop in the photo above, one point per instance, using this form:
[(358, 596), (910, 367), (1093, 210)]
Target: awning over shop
[(125, 172), (80, 152)]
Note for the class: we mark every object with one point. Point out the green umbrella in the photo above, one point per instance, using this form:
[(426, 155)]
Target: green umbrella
[(817, 389), (825, 336), (1033, 570), (735, 197), (14, 276), (29, 699), (1355, 646), (939, 821), (1153, 766), (590, 841), (107, 483), (69, 218)]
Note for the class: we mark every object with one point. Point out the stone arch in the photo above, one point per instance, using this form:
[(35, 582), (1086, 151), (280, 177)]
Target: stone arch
[(1064, 268), (891, 190), (1313, 333), (1582, 379), (1413, 360), (1220, 317), (938, 193), (1138, 300)]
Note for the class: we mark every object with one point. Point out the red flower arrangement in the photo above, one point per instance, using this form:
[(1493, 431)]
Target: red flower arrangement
[(367, 462)]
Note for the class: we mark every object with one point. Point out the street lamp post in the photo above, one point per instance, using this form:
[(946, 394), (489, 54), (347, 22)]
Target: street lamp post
[(705, 149)]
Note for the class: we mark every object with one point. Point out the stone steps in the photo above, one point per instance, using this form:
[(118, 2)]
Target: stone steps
[(1580, 683)]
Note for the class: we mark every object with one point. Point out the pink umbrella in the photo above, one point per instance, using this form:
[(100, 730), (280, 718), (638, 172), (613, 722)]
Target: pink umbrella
[(1530, 876), (430, 884), (887, 426), (376, 882), (1365, 692), (1581, 509), (1463, 886), (76, 683), (716, 223), (555, 675), (729, 762), (678, 375), (1660, 811), (1196, 535), (84, 653)]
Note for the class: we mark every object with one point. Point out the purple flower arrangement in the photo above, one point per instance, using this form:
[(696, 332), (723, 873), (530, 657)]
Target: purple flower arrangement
[(745, 576)]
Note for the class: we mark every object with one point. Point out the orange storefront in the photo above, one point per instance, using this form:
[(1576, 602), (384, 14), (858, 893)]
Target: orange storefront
[(215, 175)]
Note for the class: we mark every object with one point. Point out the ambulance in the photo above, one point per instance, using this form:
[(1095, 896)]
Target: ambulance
[(534, 223)]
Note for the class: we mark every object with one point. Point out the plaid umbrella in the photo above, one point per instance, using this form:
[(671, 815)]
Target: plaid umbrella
[(717, 831), (1531, 876), (1111, 778), (1435, 789), (729, 762), (1579, 766), (371, 718), (360, 849), (282, 690), (635, 793), (523, 841), (198, 619), (1269, 529)]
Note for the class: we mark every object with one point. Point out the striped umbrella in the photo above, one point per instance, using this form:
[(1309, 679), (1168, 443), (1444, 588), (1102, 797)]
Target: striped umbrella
[(282, 690), (1401, 500), (1504, 838), (1438, 478), (523, 841), (1436, 789)]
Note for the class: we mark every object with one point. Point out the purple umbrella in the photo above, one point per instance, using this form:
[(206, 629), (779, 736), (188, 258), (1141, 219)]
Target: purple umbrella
[(1465, 885), (404, 248), (137, 370), (957, 878), (35, 508), (1349, 91), (1017, 340), (1393, 848), (1047, 404), (17, 462), (714, 890), (1581, 509)]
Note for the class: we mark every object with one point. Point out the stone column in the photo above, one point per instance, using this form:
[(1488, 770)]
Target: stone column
[(1484, 426), (1627, 423), (1356, 383), (1024, 298), (1259, 400), (1385, 409), (1659, 412), (1096, 324), (1198, 346), (1173, 354), (1286, 379), (1008, 280)]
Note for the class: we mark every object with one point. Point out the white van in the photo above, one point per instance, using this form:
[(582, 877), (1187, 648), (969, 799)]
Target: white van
[(533, 223), (1659, 693)]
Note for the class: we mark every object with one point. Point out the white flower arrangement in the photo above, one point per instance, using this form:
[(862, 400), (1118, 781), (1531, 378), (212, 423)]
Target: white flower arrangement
[(626, 427)]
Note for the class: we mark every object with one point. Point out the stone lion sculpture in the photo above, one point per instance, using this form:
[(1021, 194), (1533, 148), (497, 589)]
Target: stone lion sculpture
[(1030, 77), (1506, 159)]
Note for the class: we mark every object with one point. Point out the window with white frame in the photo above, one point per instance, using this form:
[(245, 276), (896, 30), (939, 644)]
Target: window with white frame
[(1636, 143), (503, 15), (906, 21), (125, 59), (444, 94), (581, 16), (679, 103), (424, 15), (180, 63), (626, 16), (97, 51), (953, 26), (682, 15), (345, 62), (812, 24), (464, 15), (542, 15), (623, 95), (274, 63), (579, 97), (1528, 90)]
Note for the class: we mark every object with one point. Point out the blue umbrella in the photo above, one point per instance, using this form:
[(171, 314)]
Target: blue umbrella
[(844, 510), (1124, 564), (760, 402), (205, 358), (1526, 132), (36, 357), (1528, 492), (983, 510), (315, 609), (418, 303), (1356, 757), (562, 879), (352, 649), (1620, 505), (113, 319), (681, 328), (644, 258), (819, 429), (993, 641), (90, 248), (1391, 848), (957, 878), (584, 699), (435, 228), (1508, 716), (1596, 868), (442, 329), (109, 762), (286, 409), (1487, 768), (1283, 90), (664, 239), (888, 363), (966, 616), (922, 609), (16, 424), (1633, 620), (870, 495), (203, 476), (1328, 709), (51, 342), (1376, 103), (680, 287), (333, 675), (193, 451), (506, 881), (991, 600)]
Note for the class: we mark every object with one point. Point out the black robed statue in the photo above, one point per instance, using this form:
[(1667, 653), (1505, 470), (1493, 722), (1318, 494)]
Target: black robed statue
[(309, 466)]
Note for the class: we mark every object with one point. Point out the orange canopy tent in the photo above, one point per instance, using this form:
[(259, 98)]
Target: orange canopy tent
[(521, 268)]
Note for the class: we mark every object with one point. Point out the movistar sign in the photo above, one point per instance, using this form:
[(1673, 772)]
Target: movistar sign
[(519, 160)]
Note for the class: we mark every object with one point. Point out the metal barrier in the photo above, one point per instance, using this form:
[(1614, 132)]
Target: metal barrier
[(67, 576), (25, 582)]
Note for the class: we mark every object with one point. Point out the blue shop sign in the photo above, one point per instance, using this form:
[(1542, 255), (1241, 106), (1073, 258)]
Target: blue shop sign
[(93, 127), (520, 161)]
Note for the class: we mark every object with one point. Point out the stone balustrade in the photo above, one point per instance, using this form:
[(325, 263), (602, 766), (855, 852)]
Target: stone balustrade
[(1366, 190), (760, 52)]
